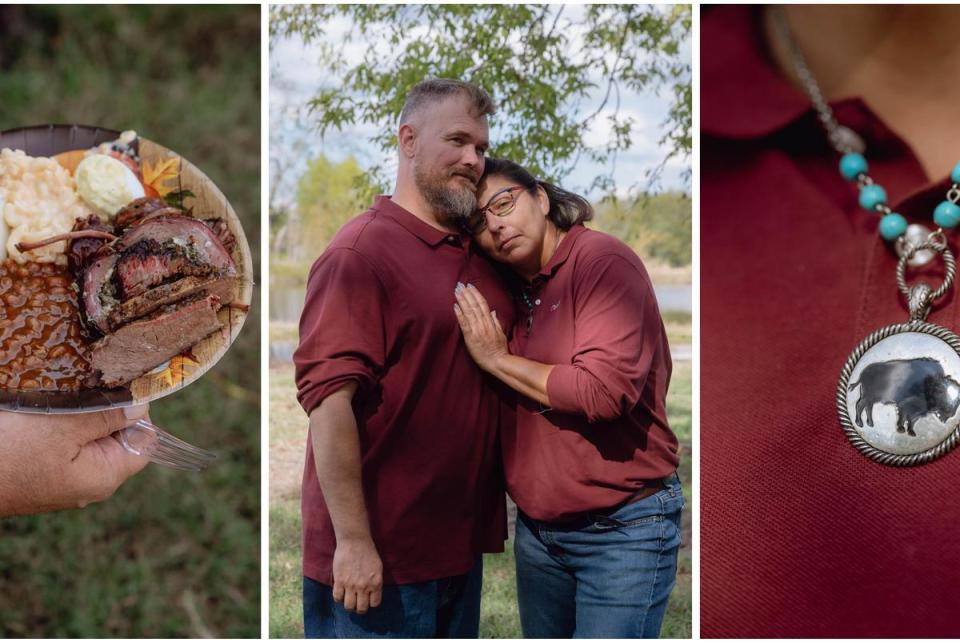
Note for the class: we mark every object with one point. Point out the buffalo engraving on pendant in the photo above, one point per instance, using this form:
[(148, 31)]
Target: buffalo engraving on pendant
[(903, 394)]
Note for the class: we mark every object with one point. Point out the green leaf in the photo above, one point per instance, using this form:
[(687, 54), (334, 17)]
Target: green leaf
[(528, 57), (175, 199)]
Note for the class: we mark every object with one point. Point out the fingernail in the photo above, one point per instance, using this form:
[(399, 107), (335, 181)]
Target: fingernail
[(137, 439), (136, 412), (459, 287)]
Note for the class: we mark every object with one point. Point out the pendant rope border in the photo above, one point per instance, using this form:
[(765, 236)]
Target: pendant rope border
[(867, 449)]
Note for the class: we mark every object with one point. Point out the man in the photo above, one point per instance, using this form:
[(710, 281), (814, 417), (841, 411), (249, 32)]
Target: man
[(402, 491)]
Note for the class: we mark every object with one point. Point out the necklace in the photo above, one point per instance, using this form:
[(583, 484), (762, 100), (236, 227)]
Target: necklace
[(525, 289), (898, 397), (853, 165)]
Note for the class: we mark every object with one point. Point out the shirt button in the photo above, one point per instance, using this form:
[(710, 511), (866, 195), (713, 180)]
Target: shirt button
[(537, 302)]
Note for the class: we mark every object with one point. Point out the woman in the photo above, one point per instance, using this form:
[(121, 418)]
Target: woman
[(591, 460)]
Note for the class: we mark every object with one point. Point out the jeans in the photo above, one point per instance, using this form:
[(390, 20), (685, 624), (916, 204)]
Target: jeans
[(445, 608), (609, 578)]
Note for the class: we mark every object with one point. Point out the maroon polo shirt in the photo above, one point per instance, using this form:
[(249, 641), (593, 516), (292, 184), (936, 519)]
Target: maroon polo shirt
[(379, 311), (802, 536), (596, 318)]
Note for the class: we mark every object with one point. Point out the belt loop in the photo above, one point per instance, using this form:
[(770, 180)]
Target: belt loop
[(671, 482)]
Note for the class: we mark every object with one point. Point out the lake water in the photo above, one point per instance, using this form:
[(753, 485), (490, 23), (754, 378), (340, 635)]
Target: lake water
[(286, 303), (675, 298)]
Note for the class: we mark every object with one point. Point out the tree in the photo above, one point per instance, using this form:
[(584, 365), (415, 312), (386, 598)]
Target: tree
[(540, 64), (657, 226), (328, 195)]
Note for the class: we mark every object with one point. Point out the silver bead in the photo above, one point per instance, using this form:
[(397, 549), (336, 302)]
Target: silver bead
[(915, 235)]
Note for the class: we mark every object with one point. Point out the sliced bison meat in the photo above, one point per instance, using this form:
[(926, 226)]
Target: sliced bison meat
[(158, 251), (224, 288), (136, 210), (222, 230), (98, 293), (154, 291), (140, 346), (162, 212), (80, 251), (205, 246), (149, 263)]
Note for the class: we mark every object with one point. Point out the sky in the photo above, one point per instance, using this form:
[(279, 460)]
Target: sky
[(296, 74)]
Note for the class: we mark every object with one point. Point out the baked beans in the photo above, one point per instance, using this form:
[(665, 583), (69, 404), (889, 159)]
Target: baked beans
[(42, 343)]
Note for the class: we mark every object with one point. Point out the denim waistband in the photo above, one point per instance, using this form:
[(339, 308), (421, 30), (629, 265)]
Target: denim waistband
[(602, 515)]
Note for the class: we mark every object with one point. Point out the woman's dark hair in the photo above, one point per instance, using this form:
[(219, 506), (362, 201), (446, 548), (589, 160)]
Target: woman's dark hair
[(566, 208)]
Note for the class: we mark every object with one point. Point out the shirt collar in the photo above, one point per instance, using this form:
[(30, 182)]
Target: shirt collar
[(416, 226), (743, 95), (561, 254)]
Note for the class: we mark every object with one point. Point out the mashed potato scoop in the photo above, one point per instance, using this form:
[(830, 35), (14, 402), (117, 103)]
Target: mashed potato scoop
[(106, 184)]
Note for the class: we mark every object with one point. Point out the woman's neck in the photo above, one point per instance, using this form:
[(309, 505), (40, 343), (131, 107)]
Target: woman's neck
[(901, 59), (551, 241)]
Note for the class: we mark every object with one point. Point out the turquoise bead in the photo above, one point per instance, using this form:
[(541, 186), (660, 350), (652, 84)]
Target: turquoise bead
[(947, 215), (852, 165), (892, 226), (955, 175), (871, 196)]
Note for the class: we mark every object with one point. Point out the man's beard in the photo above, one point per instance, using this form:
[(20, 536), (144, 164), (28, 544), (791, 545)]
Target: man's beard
[(449, 204)]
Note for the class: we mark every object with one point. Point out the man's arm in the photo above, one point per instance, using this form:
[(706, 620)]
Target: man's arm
[(357, 569)]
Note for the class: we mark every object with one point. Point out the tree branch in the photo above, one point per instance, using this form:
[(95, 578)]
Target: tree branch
[(613, 69)]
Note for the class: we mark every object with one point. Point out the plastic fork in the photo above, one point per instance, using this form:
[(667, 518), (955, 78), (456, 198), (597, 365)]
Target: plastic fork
[(150, 441)]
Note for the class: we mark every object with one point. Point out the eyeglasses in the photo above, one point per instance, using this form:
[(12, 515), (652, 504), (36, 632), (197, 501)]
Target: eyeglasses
[(500, 205)]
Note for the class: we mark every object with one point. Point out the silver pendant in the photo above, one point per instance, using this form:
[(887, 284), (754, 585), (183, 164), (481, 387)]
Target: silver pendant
[(899, 392)]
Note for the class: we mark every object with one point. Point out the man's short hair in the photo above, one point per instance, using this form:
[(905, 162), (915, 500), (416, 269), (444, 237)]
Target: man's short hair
[(436, 89)]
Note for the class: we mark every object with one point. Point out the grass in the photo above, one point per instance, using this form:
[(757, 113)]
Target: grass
[(678, 325), (286, 605), (680, 401), (499, 617), (171, 555), (284, 332), (288, 431), (678, 621)]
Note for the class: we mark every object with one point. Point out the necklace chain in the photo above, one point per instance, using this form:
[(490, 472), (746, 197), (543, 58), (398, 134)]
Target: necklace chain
[(531, 304), (843, 139), (853, 166)]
